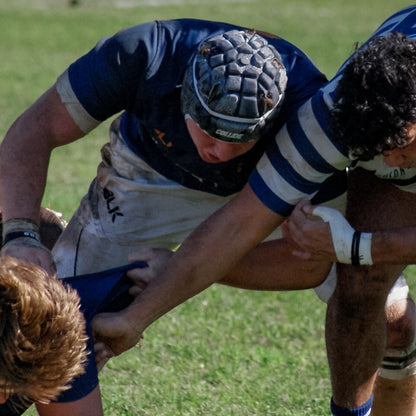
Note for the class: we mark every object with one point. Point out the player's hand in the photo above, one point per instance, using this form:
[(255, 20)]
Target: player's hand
[(112, 332), (112, 336), (102, 355), (311, 234), (37, 254), (156, 259)]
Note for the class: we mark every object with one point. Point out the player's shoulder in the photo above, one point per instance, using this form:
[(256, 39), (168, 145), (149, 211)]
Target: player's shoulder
[(402, 21), (192, 31), (170, 35)]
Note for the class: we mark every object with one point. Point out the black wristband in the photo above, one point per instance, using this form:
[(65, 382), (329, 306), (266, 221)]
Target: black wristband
[(355, 248), (18, 234)]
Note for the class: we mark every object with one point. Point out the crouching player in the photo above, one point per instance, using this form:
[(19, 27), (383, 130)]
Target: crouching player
[(42, 336), (45, 333)]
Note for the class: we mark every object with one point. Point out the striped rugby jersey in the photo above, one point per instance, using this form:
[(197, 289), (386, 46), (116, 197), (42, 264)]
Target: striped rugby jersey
[(303, 155)]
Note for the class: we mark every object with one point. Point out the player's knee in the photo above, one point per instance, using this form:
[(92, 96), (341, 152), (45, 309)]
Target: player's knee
[(358, 283), (399, 361), (400, 318)]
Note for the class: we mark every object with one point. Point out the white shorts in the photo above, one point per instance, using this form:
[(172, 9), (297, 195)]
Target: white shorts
[(399, 291)]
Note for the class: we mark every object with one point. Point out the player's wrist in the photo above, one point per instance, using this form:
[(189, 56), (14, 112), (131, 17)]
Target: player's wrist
[(134, 319), (351, 246), (361, 249), (21, 231)]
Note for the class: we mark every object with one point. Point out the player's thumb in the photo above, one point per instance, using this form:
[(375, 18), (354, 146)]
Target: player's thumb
[(307, 207), (104, 325)]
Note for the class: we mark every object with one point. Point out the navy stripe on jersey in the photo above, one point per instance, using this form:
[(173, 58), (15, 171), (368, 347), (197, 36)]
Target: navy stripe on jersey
[(285, 169), (333, 187), (305, 147)]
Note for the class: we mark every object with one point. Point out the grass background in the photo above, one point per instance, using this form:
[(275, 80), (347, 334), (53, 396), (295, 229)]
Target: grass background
[(227, 351)]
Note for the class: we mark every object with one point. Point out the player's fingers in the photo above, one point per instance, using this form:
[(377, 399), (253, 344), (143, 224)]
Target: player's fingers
[(100, 363), (143, 276), (290, 228), (297, 217), (306, 207), (102, 350), (156, 258), (99, 347), (102, 354), (136, 290), (141, 254), (285, 229), (106, 324), (301, 254)]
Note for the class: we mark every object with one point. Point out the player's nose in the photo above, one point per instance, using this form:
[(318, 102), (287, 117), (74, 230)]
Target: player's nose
[(393, 158), (226, 151)]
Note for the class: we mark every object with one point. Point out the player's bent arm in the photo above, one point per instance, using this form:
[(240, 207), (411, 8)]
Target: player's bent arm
[(207, 255), (24, 159), (25, 153)]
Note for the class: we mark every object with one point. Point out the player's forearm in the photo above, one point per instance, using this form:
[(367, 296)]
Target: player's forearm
[(22, 180), (394, 246), (23, 167), (193, 268), (272, 266), (25, 153), (211, 251)]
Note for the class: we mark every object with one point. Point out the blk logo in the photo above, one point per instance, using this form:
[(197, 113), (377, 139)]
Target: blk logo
[(114, 211)]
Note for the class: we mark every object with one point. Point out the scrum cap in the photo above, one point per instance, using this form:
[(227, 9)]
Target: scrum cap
[(234, 86)]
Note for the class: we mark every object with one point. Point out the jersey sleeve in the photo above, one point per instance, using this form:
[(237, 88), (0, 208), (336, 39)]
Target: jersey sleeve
[(108, 78), (303, 157), (300, 158)]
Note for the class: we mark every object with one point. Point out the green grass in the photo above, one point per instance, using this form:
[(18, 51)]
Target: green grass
[(226, 352)]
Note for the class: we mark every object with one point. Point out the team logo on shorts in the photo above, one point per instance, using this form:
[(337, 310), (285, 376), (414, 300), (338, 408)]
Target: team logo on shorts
[(114, 211)]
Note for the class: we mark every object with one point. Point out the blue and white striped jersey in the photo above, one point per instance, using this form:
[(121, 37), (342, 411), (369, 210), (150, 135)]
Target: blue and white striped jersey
[(303, 155)]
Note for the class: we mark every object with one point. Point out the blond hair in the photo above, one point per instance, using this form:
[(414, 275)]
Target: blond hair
[(42, 332)]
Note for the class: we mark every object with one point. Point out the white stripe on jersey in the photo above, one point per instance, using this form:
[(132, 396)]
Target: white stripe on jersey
[(319, 140), (295, 159), (278, 184)]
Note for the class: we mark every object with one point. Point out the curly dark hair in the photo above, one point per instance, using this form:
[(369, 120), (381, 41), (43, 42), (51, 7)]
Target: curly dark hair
[(375, 100)]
